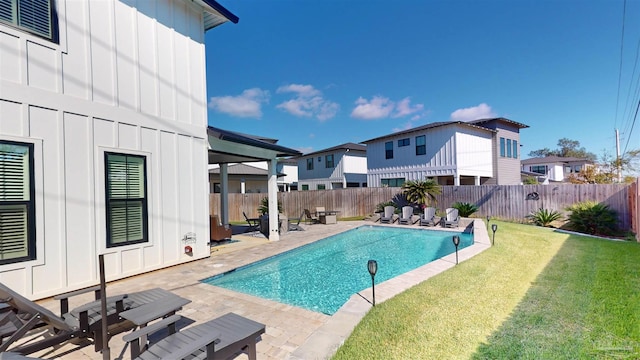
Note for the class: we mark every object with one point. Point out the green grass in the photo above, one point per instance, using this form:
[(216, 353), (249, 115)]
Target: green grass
[(536, 294)]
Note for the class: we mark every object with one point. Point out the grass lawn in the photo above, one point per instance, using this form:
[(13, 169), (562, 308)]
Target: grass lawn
[(536, 294)]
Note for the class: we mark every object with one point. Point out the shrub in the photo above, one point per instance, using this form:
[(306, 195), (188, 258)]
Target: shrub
[(530, 180), (264, 206), (465, 209), (593, 218), (544, 217)]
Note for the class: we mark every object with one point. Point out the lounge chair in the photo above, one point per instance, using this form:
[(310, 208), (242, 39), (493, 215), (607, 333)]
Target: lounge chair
[(296, 226), (407, 216), (218, 232), (81, 322), (219, 338), (389, 215), (429, 217), (254, 223), (312, 218), (452, 218)]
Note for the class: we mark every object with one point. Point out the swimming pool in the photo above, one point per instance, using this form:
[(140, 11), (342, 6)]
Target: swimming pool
[(323, 275)]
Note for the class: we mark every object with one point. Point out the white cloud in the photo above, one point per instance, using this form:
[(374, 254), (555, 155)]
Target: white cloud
[(247, 104), (404, 108), (308, 102), (473, 113), (379, 107)]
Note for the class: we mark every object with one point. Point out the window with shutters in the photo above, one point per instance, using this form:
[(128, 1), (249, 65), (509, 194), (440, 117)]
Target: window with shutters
[(35, 16), (17, 204), (126, 177)]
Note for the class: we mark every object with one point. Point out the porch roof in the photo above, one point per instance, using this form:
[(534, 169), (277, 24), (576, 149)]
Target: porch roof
[(231, 147)]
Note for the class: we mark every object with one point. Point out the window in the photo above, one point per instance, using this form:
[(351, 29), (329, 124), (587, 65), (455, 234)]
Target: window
[(126, 199), (540, 169), (320, 187), (502, 147), (515, 149), (310, 164), (388, 150), (396, 182), (403, 142), (577, 168), (305, 187), (328, 161), (509, 148), (17, 204), (35, 16), (421, 145), (353, 184)]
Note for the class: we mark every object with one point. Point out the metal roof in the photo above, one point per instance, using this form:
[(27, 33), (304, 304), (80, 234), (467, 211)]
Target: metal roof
[(554, 159), (230, 147), (429, 126), (347, 146)]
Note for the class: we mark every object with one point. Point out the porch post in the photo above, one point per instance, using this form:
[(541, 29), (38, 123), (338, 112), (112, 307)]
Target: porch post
[(272, 184), (476, 180), (456, 180), (224, 194)]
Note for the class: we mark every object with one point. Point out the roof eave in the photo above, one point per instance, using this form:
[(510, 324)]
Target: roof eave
[(216, 14)]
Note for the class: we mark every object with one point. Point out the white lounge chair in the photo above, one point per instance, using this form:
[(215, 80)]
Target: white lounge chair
[(429, 217), (407, 216), (389, 215)]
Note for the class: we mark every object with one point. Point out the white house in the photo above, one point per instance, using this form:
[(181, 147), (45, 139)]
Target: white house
[(478, 152), (555, 168), (103, 139), (337, 167)]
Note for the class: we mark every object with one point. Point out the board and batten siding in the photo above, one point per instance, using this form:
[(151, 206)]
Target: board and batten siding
[(508, 169), (127, 77)]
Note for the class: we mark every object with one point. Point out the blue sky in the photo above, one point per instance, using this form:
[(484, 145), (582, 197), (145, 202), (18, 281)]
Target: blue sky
[(318, 73)]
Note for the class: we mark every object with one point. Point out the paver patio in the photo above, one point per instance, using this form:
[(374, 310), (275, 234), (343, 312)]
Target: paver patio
[(291, 332)]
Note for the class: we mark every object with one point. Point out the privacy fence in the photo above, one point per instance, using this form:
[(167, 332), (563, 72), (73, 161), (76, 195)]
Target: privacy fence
[(508, 202)]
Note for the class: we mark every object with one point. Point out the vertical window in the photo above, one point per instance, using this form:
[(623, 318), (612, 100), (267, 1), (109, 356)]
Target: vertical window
[(126, 199), (35, 16), (421, 145), (515, 149), (388, 150), (329, 161), (17, 204), (320, 187), (310, 164), (502, 147), (508, 147)]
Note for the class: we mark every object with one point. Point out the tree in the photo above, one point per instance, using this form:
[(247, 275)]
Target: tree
[(421, 192), (566, 148)]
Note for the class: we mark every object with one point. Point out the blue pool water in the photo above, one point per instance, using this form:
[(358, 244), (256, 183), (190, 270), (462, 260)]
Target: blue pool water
[(323, 275)]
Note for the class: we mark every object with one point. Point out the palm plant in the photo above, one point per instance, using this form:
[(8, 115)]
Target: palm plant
[(421, 192), (264, 206), (465, 209), (544, 217)]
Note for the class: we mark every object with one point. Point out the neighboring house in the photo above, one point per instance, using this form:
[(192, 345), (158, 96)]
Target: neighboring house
[(289, 169), (555, 168), (337, 167), (103, 139), (479, 152), (248, 178)]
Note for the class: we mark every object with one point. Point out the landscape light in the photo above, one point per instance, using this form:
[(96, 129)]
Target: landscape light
[(494, 227), (372, 266)]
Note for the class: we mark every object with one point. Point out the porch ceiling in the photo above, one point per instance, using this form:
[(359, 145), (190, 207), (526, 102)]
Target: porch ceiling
[(231, 147)]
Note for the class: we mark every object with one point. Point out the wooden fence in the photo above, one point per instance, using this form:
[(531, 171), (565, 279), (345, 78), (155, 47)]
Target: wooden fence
[(508, 202)]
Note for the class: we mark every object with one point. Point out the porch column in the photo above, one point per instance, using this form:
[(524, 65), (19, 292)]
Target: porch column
[(243, 186), (456, 180), (272, 185), (224, 194), (476, 180)]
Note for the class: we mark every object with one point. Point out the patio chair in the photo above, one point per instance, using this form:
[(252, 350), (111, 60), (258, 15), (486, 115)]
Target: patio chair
[(254, 223), (312, 218), (219, 338), (452, 218), (218, 232), (407, 216), (429, 217), (389, 215), (296, 226), (81, 322)]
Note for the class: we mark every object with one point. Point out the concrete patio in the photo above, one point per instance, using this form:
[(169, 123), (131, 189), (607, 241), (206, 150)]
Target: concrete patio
[(291, 332)]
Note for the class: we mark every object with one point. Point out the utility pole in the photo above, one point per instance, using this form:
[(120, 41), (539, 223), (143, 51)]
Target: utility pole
[(618, 157)]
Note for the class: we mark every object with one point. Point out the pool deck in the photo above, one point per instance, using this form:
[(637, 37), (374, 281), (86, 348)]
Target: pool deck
[(291, 332)]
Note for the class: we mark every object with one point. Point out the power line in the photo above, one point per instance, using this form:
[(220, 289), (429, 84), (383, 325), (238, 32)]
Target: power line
[(624, 11)]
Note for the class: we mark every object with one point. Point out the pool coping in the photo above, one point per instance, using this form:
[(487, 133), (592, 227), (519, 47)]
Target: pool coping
[(324, 342)]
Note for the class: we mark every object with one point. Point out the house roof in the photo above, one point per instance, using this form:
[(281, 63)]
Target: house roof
[(499, 119), (554, 160), (216, 14), (231, 147), (346, 146), (243, 169), (433, 126)]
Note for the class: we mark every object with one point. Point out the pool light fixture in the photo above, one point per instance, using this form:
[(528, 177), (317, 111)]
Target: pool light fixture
[(494, 227), (456, 242), (372, 266)]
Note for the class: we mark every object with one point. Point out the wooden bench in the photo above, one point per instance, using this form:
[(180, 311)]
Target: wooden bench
[(225, 336)]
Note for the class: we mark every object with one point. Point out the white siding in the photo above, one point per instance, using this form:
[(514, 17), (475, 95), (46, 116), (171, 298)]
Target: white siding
[(127, 76)]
